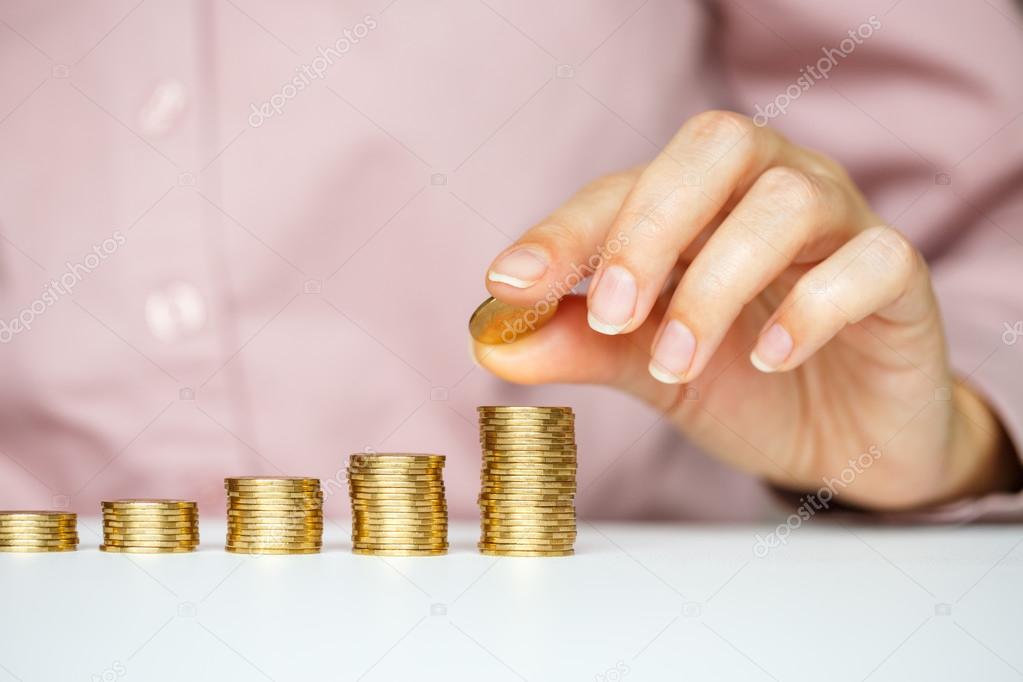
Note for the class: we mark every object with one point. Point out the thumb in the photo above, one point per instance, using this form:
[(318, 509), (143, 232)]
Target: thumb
[(567, 350)]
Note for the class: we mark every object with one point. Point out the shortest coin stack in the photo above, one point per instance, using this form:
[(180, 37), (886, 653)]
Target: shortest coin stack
[(38, 531), (398, 504), (282, 515), (150, 526)]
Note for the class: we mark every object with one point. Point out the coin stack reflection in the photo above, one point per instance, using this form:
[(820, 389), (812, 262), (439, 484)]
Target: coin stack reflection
[(274, 515), (398, 504), (38, 531), (528, 481), (150, 526)]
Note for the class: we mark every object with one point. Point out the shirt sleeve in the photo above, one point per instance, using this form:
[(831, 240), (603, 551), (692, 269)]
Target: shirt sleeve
[(921, 101)]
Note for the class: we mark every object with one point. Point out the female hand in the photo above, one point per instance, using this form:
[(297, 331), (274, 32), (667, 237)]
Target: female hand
[(743, 286)]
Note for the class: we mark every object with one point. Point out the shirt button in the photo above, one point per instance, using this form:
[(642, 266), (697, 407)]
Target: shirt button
[(175, 312), (164, 107)]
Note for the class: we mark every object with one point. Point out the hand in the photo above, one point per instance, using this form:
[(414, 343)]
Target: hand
[(750, 276)]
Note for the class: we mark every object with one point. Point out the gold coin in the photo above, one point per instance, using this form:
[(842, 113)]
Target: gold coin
[(37, 516), (538, 470), (501, 517), (265, 550), (525, 553), (410, 538), (111, 542), (385, 520), (525, 546), (272, 480), (425, 478), (37, 548), (487, 409), (529, 523), (397, 457), (269, 547), (149, 516), (495, 322), (245, 525), (234, 531), (146, 550), (501, 419), (400, 486), (376, 547), (38, 542), (276, 513), (528, 538), (258, 507), (257, 528), (373, 495), (526, 497), (400, 552), (69, 532), (522, 435), (37, 523), (148, 503), (238, 496), (505, 507), (275, 541), (146, 537), (520, 477)]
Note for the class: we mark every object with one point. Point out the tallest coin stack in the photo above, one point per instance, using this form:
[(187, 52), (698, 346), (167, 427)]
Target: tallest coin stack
[(527, 498)]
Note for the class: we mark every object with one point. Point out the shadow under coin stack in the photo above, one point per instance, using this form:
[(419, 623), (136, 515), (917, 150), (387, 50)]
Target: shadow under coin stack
[(38, 531), (150, 526), (274, 515), (528, 481), (398, 504)]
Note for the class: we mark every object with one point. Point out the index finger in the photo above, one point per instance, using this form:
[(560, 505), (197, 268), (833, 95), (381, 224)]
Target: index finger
[(554, 256)]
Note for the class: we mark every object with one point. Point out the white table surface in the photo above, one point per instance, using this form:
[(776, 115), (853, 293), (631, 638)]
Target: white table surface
[(643, 602)]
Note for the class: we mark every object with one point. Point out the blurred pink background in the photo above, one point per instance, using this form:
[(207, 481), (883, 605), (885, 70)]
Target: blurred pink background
[(283, 274)]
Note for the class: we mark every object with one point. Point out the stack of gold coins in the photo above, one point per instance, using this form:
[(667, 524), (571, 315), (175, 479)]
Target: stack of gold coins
[(527, 498), (274, 515), (38, 531), (398, 504), (150, 526)]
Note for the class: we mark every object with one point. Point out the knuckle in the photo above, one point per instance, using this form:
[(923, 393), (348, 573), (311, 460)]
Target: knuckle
[(652, 224), (792, 189), (563, 230), (717, 123), (892, 251)]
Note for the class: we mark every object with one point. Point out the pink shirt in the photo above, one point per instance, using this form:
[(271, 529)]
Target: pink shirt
[(238, 239)]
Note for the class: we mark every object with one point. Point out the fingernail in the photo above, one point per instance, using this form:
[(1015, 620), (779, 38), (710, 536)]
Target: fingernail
[(772, 349), (522, 267), (613, 301), (673, 353)]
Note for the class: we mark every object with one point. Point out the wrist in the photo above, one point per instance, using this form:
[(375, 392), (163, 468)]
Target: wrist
[(980, 457)]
